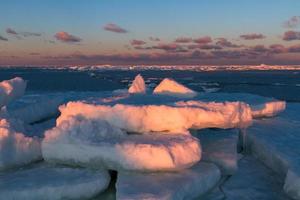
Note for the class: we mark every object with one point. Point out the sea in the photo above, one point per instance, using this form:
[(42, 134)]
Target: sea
[(279, 84)]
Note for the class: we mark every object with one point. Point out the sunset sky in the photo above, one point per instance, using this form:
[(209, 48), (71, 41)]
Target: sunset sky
[(59, 32)]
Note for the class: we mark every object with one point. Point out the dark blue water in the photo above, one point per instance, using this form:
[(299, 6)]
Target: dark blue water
[(283, 85)]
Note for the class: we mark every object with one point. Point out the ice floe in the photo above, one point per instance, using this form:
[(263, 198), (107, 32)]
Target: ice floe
[(171, 87), (138, 85), (97, 144), (186, 184), (55, 183)]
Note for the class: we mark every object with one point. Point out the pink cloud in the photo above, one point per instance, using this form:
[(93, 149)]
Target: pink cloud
[(293, 22), (183, 40), (114, 28), (137, 42), (203, 40), (66, 37), (166, 47), (252, 36), (291, 35), (294, 48), (11, 31), (225, 43)]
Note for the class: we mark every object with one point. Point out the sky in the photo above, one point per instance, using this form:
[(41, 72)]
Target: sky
[(160, 32)]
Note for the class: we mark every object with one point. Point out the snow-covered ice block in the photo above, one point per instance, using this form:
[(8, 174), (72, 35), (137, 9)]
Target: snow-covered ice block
[(11, 90), (43, 109), (96, 144), (138, 85), (162, 118), (260, 106), (220, 148), (172, 88), (53, 183), (186, 184), (15, 148), (253, 181), (276, 143)]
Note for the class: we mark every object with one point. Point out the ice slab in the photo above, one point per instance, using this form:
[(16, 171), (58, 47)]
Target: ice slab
[(170, 87), (49, 182), (260, 106), (276, 143), (97, 144), (187, 184), (11, 90), (253, 181), (162, 118), (220, 148), (138, 85), (43, 109), (15, 148)]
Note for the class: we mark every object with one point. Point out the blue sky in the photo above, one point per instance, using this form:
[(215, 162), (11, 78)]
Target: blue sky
[(164, 19)]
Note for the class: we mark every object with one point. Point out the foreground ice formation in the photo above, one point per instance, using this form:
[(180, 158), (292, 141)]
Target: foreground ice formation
[(11, 89), (162, 118), (138, 85), (52, 183), (97, 144), (276, 143), (186, 184), (171, 87)]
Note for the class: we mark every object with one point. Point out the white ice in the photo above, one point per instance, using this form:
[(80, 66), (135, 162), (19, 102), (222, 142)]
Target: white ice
[(162, 118), (138, 85), (172, 88), (186, 184), (96, 144), (11, 90), (52, 183)]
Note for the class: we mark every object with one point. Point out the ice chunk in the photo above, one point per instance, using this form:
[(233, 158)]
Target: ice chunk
[(186, 184), (138, 85), (253, 180), (162, 118), (269, 109), (40, 110), (97, 144), (260, 106), (46, 182), (11, 89), (15, 148), (171, 87), (220, 148)]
